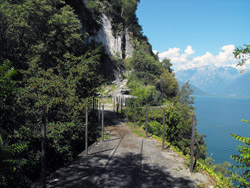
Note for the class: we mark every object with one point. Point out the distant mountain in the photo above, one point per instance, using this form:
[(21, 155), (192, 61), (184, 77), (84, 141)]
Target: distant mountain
[(217, 80), (196, 90), (239, 86)]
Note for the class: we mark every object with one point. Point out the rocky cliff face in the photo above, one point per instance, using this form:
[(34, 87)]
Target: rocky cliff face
[(99, 29), (115, 45)]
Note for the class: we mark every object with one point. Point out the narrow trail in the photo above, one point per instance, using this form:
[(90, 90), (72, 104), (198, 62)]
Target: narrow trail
[(126, 160)]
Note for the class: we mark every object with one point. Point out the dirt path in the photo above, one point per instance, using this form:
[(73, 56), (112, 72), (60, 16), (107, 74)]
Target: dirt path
[(126, 160)]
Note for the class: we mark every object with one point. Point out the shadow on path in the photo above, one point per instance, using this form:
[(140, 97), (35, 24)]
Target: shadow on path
[(105, 168), (123, 171)]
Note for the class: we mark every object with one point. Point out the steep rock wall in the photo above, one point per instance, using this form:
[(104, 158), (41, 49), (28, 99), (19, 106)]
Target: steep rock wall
[(114, 44), (101, 31), (105, 36), (129, 46)]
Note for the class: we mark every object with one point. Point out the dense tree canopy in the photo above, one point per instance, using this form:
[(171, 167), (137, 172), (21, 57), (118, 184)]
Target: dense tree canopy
[(145, 67), (166, 63), (167, 85), (45, 72)]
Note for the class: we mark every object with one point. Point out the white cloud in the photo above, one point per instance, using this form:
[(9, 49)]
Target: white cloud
[(187, 59), (206, 59), (189, 50), (171, 53), (226, 56)]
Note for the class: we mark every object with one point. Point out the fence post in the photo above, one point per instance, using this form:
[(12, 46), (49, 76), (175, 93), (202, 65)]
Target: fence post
[(96, 106), (86, 131), (127, 109), (93, 103), (121, 104), (134, 113), (192, 145), (163, 130), (102, 122), (99, 111), (43, 157), (117, 104), (147, 120), (117, 108)]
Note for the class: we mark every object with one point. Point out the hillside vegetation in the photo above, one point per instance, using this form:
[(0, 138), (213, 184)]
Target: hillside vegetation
[(49, 74)]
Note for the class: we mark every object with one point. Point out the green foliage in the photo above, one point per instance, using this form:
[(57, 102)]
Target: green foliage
[(58, 93), (155, 128), (185, 95), (38, 31), (121, 12), (167, 65), (145, 67), (128, 10), (11, 161), (93, 6), (7, 85), (184, 104), (51, 76), (172, 121), (64, 142), (167, 85), (219, 172), (242, 160), (144, 93), (242, 53), (8, 88), (138, 131), (146, 73), (152, 82), (106, 89), (178, 126)]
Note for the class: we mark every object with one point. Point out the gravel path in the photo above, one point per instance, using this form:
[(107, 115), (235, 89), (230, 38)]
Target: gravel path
[(126, 160)]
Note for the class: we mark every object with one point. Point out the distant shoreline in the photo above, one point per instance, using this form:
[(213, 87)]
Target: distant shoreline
[(220, 96)]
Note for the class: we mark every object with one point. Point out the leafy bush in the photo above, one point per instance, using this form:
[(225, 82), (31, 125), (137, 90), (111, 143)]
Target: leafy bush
[(11, 163), (144, 93), (155, 128), (243, 160), (167, 85), (145, 67), (218, 172)]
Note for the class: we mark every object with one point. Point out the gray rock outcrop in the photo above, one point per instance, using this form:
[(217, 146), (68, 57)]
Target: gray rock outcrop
[(113, 42)]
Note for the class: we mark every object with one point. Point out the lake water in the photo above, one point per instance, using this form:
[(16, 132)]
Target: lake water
[(217, 118)]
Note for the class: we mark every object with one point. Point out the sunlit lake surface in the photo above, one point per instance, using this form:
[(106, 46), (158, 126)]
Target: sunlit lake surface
[(218, 117)]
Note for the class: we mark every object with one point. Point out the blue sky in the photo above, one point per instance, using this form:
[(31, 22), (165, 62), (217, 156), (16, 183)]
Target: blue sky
[(196, 32)]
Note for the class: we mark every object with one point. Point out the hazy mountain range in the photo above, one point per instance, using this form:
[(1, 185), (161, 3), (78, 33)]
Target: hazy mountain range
[(212, 80)]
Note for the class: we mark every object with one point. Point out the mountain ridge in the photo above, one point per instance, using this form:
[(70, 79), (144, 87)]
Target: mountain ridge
[(224, 81)]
